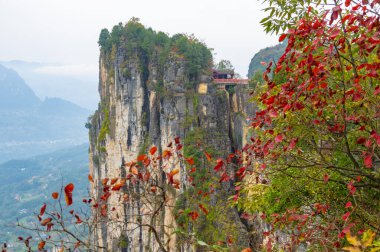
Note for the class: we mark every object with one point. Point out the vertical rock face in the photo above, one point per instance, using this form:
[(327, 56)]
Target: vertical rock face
[(145, 102)]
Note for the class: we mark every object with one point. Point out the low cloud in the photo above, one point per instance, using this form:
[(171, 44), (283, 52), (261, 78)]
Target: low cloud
[(81, 70)]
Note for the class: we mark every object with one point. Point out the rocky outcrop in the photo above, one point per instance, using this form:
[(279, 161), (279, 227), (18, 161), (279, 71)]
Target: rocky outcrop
[(145, 103)]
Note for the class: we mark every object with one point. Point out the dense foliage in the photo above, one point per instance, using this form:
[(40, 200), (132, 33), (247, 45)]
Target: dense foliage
[(157, 46), (315, 149)]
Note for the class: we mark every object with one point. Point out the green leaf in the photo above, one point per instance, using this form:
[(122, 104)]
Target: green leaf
[(202, 243)]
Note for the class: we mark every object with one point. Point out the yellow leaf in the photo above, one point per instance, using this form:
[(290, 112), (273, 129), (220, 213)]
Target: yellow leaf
[(353, 240), (368, 237), (352, 249), (375, 249)]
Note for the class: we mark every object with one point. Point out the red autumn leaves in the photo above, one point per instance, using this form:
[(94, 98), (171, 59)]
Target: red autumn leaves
[(69, 193)]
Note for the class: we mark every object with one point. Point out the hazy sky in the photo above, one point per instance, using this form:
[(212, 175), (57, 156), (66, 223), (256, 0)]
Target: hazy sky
[(66, 31)]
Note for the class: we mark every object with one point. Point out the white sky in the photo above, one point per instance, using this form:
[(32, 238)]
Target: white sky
[(66, 31)]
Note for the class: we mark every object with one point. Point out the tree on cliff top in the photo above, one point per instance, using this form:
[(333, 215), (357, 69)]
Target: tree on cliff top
[(134, 37)]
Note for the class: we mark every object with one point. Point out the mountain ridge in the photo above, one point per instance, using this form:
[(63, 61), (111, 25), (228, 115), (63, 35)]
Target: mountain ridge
[(30, 126)]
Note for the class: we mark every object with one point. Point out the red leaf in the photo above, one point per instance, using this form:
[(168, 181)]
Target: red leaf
[(153, 189), (219, 164), (42, 210), (90, 178), (69, 193), (279, 138), (345, 216), (377, 90), (292, 143), (103, 210), (190, 161), (368, 161), (78, 219), (179, 147), (45, 221), (141, 157), (113, 181), (224, 178), (208, 156), (282, 37), (176, 140), (347, 3), (349, 204), (41, 245), (273, 113), (361, 140), (146, 176), (203, 209), (356, 7), (153, 150), (194, 215), (326, 178), (48, 226)]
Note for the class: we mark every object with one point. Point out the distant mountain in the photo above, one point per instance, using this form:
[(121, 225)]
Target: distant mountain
[(29, 126), (14, 93), (28, 183), (268, 54), (75, 83)]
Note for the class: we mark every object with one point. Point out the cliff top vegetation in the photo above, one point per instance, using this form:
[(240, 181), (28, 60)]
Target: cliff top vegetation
[(149, 44)]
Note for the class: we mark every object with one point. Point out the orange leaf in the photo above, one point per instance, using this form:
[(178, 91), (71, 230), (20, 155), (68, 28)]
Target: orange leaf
[(113, 181), (119, 185), (41, 245), (247, 250), (208, 156), (141, 157), (176, 183), (45, 221), (166, 154), (105, 181), (134, 170), (54, 195), (190, 161), (42, 210), (153, 150), (90, 178), (174, 172), (69, 193)]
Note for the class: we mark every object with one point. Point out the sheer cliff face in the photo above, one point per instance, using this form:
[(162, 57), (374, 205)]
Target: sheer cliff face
[(144, 104)]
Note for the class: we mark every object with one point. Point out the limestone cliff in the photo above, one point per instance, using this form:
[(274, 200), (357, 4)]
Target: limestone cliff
[(149, 96)]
